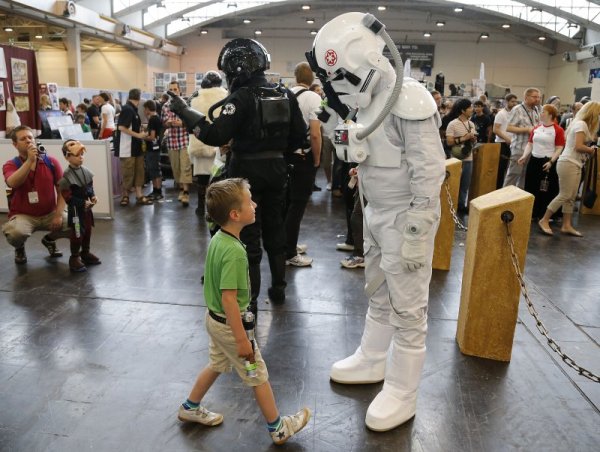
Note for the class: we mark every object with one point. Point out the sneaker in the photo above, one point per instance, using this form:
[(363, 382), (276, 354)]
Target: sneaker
[(299, 261), (316, 187), (51, 246), (180, 196), (290, 425), (337, 193), (185, 199), (301, 249), (329, 186), (199, 415), (353, 262), (20, 256), (344, 247)]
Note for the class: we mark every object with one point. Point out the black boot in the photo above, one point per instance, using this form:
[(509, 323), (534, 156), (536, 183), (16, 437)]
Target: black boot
[(278, 284)]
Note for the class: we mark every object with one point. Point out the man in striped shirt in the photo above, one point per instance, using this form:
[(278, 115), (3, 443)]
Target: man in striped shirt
[(177, 143)]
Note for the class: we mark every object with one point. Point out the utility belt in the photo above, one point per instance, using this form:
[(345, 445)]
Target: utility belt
[(258, 155)]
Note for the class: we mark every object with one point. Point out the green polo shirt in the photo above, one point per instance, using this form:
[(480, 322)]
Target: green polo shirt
[(226, 268)]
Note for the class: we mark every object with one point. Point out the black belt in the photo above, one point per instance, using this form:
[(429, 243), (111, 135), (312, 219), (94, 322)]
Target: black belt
[(218, 318), (258, 155)]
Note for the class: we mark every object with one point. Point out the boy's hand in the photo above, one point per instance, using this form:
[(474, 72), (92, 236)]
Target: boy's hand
[(244, 350)]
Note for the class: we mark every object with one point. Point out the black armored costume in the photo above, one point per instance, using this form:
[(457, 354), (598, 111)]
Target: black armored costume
[(262, 121)]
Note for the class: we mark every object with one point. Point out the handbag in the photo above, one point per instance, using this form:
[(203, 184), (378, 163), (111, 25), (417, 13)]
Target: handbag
[(461, 151), (590, 195)]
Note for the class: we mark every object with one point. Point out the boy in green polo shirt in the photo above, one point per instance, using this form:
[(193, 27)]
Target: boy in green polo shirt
[(226, 292)]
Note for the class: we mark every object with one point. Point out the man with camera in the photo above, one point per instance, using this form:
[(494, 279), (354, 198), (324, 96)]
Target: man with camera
[(35, 203)]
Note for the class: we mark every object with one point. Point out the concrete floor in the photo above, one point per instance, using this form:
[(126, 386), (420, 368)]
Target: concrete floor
[(101, 360)]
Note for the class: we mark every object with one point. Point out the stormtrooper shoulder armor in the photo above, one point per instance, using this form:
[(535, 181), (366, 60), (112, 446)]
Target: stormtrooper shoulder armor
[(415, 102)]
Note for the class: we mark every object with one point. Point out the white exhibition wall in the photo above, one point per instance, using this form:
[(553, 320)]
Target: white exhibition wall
[(507, 63)]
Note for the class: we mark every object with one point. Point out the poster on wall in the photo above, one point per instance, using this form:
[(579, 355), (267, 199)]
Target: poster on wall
[(53, 93), (199, 76), (2, 98), (3, 73), (181, 76), (22, 103), (19, 75)]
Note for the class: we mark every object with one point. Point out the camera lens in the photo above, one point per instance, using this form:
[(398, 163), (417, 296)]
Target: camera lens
[(41, 149)]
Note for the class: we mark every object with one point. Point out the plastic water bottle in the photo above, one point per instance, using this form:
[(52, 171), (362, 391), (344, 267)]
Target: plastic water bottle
[(248, 322)]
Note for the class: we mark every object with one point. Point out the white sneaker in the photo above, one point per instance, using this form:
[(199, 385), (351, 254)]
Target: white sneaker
[(290, 425), (353, 262), (329, 186), (200, 415), (299, 261), (301, 248), (344, 247)]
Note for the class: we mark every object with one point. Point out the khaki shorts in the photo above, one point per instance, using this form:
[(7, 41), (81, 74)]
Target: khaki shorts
[(20, 227), (181, 165), (223, 354)]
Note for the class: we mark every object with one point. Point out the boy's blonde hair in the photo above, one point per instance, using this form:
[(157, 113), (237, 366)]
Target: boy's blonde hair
[(224, 196)]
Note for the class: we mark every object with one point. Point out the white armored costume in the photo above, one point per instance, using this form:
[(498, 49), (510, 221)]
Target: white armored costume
[(400, 174)]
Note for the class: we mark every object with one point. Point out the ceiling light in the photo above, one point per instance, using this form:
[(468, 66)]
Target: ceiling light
[(258, 32), (305, 7), (427, 34), (458, 9), (8, 29), (185, 19), (247, 21), (381, 8), (440, 23), (39, 37), (542, 38), (313, 32), (310, 21), (505, 25), (484, 35), (572, 25), (203, 32)]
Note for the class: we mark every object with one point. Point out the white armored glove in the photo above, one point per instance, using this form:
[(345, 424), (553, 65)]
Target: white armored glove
[(329, 119), (415, 250)]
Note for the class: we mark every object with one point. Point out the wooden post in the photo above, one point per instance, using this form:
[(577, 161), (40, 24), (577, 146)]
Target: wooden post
[(444, 239), (596, 209), (490, 294), (485, 169)]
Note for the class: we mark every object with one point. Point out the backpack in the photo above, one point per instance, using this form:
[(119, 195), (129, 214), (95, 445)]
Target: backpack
[(19, 163), (306, 143)]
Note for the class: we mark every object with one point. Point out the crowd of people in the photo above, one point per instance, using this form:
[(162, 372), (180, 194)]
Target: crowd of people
[(543, 149), (273, 141)]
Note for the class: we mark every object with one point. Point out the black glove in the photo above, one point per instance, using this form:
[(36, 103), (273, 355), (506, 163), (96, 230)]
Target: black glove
[(191, 118), (177, 105)]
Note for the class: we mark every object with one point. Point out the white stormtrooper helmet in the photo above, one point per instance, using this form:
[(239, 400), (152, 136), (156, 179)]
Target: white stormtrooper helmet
[(351, 56)]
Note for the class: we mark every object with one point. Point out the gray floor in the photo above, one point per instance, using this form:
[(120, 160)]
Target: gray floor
[(101, 360)]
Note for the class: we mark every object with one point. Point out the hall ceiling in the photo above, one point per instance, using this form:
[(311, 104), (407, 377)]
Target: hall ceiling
[(406, 21)]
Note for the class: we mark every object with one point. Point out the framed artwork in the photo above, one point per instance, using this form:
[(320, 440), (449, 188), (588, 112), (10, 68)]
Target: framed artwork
[(19, 76), (2, 98), (22, 103)]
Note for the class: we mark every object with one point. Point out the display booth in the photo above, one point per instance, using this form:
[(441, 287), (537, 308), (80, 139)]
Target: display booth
[(97, 159)]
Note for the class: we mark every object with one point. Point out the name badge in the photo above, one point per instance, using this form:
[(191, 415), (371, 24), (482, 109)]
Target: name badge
[(33, 197)]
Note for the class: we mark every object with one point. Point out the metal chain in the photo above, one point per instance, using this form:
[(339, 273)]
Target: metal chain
[(457, 221), (538, 323)]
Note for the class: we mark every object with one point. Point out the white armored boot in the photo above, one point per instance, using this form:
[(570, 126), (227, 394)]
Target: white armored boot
[(397, 401), (367, 364)]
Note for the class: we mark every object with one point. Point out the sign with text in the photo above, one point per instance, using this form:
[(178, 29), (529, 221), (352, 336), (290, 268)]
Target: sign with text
[(421, 56)]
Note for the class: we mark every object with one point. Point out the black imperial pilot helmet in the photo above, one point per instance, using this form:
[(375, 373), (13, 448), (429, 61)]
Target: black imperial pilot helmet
[(240, 58)]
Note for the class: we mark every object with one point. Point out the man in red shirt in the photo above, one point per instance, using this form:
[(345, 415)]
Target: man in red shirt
[(36, 203)]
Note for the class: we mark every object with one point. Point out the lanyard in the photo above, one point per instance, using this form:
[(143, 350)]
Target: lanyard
[(468, 129), (528, 115)]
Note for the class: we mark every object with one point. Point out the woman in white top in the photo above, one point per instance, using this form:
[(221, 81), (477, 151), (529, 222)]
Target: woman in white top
[(107, 116), (202, 155), (546, 141), (582, 129), (461, 135)]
